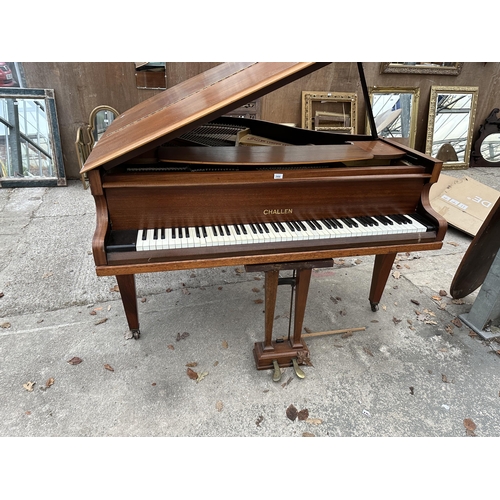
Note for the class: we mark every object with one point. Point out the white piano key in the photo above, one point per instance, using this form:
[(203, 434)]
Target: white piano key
[(267, 232)]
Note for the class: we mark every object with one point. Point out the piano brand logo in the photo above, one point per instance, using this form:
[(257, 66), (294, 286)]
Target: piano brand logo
[(278, 211)]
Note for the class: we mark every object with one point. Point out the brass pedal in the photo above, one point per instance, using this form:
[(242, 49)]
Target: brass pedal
[(297, 369), (277, 371)]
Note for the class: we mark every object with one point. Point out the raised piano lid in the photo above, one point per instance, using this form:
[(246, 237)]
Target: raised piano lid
[(181, 108)]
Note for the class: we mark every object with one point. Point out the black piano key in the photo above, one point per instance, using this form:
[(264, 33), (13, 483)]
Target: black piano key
[(311, 225), (243, 229), (281, 227), (326, 223), (144, 234), (337, 223), (186, 232), (265, 227), (237, 229), (204, 231), (291, 226), (179, 230), (174, 236), (197, 231), (259, 228), (228, 232), (162, 233), (252, 227), (317, 224), (214, 229), (275, 227)]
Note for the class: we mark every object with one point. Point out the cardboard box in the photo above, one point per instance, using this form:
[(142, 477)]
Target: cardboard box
[(464, 203)]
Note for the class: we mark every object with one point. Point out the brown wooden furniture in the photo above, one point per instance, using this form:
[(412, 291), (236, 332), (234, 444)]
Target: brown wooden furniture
[(174, 162), (479, 257)]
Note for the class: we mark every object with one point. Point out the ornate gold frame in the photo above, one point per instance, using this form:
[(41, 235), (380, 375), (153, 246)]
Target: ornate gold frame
[(415, 91), (421, 68), (309, 96), (435, 92)]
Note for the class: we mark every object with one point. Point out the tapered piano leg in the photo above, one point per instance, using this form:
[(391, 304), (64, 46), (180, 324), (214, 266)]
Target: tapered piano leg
[(126, 283), (381, 271)]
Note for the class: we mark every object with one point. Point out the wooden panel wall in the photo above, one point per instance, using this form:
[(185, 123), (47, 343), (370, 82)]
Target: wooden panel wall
[(80, 87)]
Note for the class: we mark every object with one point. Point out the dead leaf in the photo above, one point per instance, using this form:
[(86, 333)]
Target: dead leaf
[(168, 290), (291, 413), (396, 320), (284, 384), (48, 275), (258, 301), (109, 368), (307, 330), (5, 325), (396, 274), (457, 322), (171, 347), (308, 435), (469, 424), (1, 295), (303, 414), (142, 300), (116, 288), (192, 374), (219, 406), (181, 336), (346, 335), (225, 345), (368, 351), (256, 290), (416, 302), (452, 243), (93, 313), (449, 329), (444, 378), (412, 391), (458, 301), (259, 420), (29, 386), (75, 361), (49, 382), (443, 293), (314, 421), (192, 365), (201, 376), (101, 321), (436, 297)]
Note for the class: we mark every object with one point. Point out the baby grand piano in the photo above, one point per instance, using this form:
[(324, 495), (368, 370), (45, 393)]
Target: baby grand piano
[(177, 185)]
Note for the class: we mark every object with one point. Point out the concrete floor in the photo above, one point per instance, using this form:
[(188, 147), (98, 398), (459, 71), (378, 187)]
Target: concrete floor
[(410, 372)]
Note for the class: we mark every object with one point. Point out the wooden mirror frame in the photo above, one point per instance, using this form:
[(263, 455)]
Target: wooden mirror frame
[(415, 93), (309, 97), (490, 126), (452, 69), (436, 91)]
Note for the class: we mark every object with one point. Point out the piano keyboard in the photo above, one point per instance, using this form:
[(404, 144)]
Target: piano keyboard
[(272, 232)]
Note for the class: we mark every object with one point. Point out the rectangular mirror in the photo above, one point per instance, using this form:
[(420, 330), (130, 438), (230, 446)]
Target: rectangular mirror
[(422, 68), (450, 126), (329, 111), (30, 145), (395, 111)]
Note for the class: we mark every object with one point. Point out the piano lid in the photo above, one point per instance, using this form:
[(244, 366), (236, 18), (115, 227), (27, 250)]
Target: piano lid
[(200, 99)]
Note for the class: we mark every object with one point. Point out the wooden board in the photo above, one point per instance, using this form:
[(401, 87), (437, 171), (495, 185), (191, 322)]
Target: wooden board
[(477, 261)]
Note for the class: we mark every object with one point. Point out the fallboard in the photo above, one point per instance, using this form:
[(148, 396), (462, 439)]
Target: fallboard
[(163, 200)]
